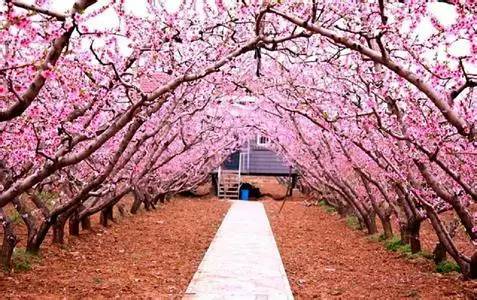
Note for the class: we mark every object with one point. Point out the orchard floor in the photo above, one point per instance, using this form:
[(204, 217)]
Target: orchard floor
[(142, 256), (156, 253), (324, 258)]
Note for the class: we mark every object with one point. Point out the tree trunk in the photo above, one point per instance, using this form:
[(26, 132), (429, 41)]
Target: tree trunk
[(136, 204), (58, 233), (360, 220), (404, 234), (86, 223), (376, 210), (410, 234), (213, 185), (33, 244), (147, 205), (414, 238), (103, 219), (159, 198), (59, 230), (387, 227), (32, 230), (74, 224), (36, 233), (59, 225), (110, 213), (106, 214), (371, 223), (439, 253), (473, 266), (148, 201), (465, 218), (9, 241), (38, 236), (464, 215), (447, 242), (360, 210)]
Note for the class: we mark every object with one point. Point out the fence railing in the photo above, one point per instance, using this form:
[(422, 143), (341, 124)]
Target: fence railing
[(244, 162)]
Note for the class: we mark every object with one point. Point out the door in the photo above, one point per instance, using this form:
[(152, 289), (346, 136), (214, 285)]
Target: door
[(232, 162)]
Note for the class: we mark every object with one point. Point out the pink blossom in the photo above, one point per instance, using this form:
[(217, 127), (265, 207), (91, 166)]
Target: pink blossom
[(48, 74)]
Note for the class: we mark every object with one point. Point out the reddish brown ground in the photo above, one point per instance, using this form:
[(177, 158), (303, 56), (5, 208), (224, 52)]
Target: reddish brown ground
[(147, 255), (324, 258), (156, 253)]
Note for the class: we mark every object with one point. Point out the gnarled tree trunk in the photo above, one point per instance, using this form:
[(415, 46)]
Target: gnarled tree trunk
[(86, 223), (414, 236), (9, 241), (74, 224), (473, 266), (137, 202), (105, 215), (59, 228)]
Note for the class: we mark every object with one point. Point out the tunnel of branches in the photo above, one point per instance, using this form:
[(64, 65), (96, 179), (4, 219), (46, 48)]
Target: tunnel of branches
[(373, 103)]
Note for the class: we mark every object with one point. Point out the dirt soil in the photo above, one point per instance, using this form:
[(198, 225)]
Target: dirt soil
[(324, 258), (142, 256), (156, 253)]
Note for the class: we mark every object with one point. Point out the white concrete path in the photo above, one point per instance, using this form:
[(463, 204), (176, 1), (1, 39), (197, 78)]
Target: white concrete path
[(242, 261)]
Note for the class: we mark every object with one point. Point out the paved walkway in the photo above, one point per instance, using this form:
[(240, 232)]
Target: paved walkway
[(242, 261)]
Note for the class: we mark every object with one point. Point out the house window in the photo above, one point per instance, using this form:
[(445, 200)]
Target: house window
[(262, 140)]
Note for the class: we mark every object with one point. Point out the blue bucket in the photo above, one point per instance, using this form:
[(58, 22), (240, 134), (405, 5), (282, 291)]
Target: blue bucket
[(244, 194)]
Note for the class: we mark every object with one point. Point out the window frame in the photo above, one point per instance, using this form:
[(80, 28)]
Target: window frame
[(260, 143)]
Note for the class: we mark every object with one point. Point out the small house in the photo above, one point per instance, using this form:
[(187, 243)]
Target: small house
[(254, 158)]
